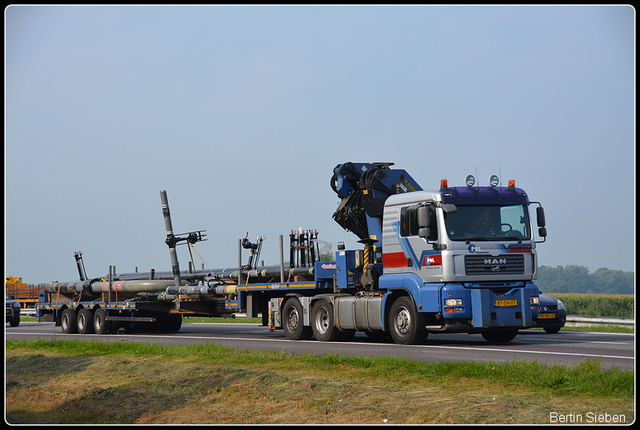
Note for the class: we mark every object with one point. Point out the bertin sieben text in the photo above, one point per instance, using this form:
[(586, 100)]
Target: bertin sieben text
[(589, 417)]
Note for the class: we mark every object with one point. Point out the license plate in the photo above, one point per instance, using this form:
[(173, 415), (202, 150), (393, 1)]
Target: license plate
[(547, 316), (506, 303)]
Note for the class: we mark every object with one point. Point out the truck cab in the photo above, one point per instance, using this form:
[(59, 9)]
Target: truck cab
[(466, 254)]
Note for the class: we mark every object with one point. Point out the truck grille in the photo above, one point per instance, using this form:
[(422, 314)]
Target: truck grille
[(484, 264)]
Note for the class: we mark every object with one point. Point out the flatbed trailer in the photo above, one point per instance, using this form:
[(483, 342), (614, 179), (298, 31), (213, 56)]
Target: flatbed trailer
[(158, 311)]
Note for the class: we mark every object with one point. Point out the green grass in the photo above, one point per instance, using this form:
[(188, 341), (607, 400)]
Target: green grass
[(126, 382)]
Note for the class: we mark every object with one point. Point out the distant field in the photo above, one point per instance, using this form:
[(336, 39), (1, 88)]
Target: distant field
[(597, 305)]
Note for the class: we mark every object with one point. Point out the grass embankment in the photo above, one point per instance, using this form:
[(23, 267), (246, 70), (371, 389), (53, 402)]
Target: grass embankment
[(99, 382)]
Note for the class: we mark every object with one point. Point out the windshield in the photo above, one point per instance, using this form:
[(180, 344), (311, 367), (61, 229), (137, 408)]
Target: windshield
[(488, 223)]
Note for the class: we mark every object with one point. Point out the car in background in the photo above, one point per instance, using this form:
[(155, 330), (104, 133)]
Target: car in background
[(13, 310), (552, 316)]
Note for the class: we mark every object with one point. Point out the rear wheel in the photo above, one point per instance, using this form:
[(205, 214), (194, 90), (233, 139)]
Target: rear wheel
[(322, 323), (293, 324), (85, 321), (100, 323), (406, 324), (69, 321), (171, 323)]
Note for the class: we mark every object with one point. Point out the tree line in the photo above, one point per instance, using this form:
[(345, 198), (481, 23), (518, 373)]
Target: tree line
[(577, 279)]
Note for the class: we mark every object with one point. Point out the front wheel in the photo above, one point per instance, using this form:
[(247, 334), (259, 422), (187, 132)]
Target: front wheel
[(500, 336), (15, 321), (406, 324)]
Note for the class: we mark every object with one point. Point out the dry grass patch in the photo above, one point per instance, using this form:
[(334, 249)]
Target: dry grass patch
[(50, 384)]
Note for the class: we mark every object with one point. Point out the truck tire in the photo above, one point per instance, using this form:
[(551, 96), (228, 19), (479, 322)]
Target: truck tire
[(69, 321), (293, 324), (100, 324), (15, 321), (406, 324), (500, 336), (171, 323), (322, 322), (85, 321)]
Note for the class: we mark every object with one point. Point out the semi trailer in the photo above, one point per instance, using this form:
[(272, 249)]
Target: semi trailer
[(453, 259)]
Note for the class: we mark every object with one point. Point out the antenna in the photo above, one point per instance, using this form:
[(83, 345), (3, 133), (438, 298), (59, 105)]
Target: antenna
[(500, 173), (476, 169)]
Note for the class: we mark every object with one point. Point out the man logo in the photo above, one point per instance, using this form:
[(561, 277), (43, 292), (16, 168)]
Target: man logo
[(494, 261)]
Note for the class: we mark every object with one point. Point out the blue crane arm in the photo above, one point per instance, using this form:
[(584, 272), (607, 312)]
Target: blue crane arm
[(363, 188)]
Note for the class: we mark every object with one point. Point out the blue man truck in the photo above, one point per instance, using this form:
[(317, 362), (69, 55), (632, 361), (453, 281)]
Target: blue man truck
[(457, 259)]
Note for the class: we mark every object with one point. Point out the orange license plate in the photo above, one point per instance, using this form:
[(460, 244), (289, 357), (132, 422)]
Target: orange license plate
[(506, 303), (546, 316)]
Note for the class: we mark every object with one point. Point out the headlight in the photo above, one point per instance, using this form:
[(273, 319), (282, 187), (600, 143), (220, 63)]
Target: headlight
[(560, 305), (453, 302), (535, 300)]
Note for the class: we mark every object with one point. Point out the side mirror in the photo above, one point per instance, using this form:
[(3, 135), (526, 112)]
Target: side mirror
[(424, 228), (540, 214), (542, 231)]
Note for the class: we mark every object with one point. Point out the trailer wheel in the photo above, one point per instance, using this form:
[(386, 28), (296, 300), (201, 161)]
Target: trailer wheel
[(69, 321), (500, 336), (322, 323), (293, 324), (171, 323), (406, 324), (85, 321), (100, 324)]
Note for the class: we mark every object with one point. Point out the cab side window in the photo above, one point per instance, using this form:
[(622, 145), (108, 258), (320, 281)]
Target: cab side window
[(408, 222)]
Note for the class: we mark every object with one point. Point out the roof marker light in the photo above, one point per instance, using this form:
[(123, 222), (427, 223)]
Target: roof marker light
[(443, 183), (469, 180), (494, 180), (512, 183)]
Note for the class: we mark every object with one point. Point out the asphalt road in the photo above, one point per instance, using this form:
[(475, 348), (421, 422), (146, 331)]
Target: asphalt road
[(565, 347)]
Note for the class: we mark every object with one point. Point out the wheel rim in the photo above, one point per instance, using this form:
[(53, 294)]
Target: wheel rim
[(65, 321), (322, 321), (293, 319), (82, 321), (403, 320)]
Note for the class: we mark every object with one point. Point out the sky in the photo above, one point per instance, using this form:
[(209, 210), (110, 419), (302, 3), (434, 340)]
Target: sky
[(241, 113)]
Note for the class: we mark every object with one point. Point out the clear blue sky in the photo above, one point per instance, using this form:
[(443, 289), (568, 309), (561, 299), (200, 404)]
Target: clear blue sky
[(241, 113)]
